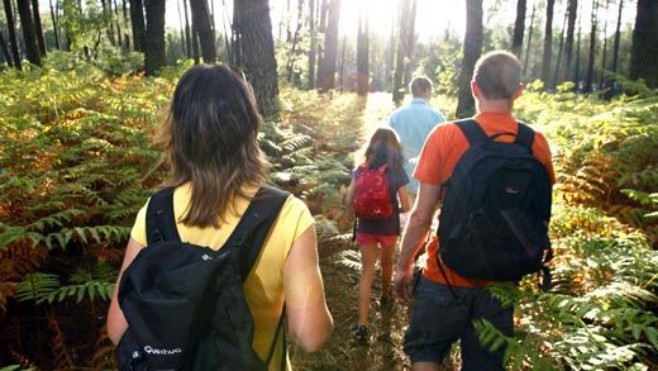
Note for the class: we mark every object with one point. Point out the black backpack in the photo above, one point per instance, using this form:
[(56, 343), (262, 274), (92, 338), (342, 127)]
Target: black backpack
[(185, 304), (494, 219)]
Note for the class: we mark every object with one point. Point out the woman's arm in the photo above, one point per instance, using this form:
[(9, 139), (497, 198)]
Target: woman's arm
[(349, 196), (403, 194), (309, 321), (116, 322)]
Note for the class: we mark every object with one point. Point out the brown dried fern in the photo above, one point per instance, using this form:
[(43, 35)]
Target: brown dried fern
[(63, 357)]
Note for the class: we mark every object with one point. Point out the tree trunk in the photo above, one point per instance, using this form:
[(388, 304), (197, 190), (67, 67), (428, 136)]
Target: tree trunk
[(411, 41), (189, 36), (56, 30), (13, 38), (548, 44), (519, 28), (254, 51), (38, 28), (138, 25), (644, 51), (592, 49), (156, 56), (196, 55), (605, 41), (29, 34), (558, 62), (313, 47), (472, 52), (530, 31), (576, 75), (292, 56), (203, 27), (615, 45), (126, 21), (362, 54), (107, 18), (572, 9), (327, 68), (5, 50), (403, 54), (117, 22), (183, 34)]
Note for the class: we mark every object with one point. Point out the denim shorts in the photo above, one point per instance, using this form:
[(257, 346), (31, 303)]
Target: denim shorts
[(440, 318)]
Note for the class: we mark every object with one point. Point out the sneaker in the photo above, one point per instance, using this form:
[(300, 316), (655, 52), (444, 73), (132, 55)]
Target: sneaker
[(361, 334)]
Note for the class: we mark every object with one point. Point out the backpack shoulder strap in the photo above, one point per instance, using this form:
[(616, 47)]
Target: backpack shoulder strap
[(472, 131), (160, 218), (254, 226), (525, 136)]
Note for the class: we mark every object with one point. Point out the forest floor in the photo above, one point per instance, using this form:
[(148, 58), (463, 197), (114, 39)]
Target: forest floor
[(340, 264)]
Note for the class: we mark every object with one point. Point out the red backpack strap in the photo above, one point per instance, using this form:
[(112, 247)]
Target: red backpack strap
[(383, 168)]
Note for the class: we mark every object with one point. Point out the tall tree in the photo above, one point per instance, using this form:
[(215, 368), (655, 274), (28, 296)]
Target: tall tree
[(615, 45), (38, 28), (13, 38), (314, 44), (548, 44), (644, 51), (155, 55), (605, 39), (560, 50), (472, 51), (203, 28), (362, 54), (411, 41), (519, 28), (189, 39), (589, 81), (138, 25), (29, 33), (183, 33), (106, 5), (292, 56), (253, 50), (327, 67), (529, 44), (572, 9), (576, 74), (117, 22), (405, 46), (5, 50), (55, 19)]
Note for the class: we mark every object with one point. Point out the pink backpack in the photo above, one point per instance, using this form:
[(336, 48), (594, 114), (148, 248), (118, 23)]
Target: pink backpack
[(372, 195)]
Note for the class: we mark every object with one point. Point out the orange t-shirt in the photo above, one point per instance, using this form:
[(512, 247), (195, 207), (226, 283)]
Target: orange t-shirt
[(441, 152)]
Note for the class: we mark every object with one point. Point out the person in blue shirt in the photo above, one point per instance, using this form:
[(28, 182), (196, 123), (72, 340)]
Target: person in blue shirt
[(413, 123)]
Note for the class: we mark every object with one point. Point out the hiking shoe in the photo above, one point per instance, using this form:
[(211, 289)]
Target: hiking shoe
[(361, 335), (386, 302)]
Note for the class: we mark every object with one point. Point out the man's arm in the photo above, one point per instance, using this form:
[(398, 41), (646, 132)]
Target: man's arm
[(414, 234)]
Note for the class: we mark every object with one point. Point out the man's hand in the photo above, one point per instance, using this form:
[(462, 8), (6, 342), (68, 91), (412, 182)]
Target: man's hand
[(404, 285)]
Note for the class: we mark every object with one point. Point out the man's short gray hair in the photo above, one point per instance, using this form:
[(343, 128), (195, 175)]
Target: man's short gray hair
[(420, 86)]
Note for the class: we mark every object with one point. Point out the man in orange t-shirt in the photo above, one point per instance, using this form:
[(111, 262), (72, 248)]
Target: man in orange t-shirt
[(445, 303)]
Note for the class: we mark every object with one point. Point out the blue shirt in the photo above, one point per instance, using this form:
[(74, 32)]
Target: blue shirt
[(413, 123)]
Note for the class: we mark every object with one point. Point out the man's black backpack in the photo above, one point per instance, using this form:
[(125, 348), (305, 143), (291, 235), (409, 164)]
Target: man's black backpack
[(185, 304), (495, 213)]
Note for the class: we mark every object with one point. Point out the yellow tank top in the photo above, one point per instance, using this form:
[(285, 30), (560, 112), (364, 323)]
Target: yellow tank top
[(264, 285)]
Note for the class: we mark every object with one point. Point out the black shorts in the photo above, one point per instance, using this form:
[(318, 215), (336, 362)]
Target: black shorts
[(440, 318)]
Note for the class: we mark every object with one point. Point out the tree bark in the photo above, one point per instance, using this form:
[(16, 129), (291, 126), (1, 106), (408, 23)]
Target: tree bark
[(411, 41), (292, 56), (183, 34), (558, 62), (644, 51), (576, 75), (254, 51), (472, 51), (403, 54), (38, 28), (13, 38), (615, 45), (107, 18), (548, 44), (362, 55), (189, 39), (572, 9), (138, 25), (592, 49), (605, 41), (313, 47), (29, 33), (327, 68), (156, 56), (5, 50), (519, 28), (56, 30), (203, 27), (530, 31)]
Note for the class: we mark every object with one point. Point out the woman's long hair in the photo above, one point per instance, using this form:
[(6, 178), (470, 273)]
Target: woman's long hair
[(210, 140), (385, 148)]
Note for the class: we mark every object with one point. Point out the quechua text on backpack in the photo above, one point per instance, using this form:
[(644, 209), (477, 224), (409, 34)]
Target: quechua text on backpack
[(372, 195), (497, 206), (185, 304)]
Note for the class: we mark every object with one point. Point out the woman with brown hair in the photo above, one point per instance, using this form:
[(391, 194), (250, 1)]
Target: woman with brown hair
[(210, 143)]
